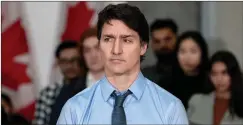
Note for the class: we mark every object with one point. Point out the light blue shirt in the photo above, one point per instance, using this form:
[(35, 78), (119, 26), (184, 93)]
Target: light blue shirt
[(149, 104)]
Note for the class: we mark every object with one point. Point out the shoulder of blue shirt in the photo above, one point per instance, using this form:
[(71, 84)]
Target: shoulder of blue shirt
[(82, 97)]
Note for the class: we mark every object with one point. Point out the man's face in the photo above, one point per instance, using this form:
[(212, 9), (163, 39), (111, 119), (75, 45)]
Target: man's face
[(92, 55), (121, 48), (163, 40), (69, 62)]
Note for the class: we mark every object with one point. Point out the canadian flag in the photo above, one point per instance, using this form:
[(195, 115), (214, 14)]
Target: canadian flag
[(79, 16), (15, 73)]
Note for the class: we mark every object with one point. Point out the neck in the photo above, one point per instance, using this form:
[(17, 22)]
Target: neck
[(70, 80), (223, 95), (191, 73), (123, 81), (67, 80), (97, 74)]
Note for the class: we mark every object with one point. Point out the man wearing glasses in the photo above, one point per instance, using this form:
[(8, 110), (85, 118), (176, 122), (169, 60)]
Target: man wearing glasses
[(68, 59), (89, 52)]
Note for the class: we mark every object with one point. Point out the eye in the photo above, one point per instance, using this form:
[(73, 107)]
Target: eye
[(182, 51), (194, 51), (127, 41), (107, 39), (212, 73), (86, 50), (156, 41)]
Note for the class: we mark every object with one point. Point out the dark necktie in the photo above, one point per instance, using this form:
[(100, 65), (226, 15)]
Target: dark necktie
[(118, 113)]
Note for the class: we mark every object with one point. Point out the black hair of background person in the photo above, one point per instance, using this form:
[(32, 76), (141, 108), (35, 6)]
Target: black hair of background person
[(164, 23), (4, 116), (6, 99), (16, 119), (129, 17), (67, 44), (12, 119), (182, 85), (236, 87)]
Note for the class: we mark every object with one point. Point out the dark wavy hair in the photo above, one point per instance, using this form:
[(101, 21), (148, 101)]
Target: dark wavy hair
[(236, 87)]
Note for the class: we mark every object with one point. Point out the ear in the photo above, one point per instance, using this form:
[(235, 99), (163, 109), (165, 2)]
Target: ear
[(143, 48)]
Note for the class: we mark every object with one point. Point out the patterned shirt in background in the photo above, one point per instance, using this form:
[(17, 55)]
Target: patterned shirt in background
[(44, 103)]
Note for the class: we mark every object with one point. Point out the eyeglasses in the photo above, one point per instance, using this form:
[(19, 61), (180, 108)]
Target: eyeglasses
[(69, 61)]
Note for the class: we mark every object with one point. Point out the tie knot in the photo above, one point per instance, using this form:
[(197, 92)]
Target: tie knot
[(119, 99)]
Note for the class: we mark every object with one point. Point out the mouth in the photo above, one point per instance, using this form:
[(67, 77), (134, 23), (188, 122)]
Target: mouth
[(188, 64), (116, 60), (93, 63)]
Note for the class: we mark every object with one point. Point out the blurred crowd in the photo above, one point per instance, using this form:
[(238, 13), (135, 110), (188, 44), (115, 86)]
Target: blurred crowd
[(210, 88)]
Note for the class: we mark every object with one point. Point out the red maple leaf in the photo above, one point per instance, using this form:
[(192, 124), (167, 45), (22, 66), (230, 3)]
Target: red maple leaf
[(13, 43), (78, 20)]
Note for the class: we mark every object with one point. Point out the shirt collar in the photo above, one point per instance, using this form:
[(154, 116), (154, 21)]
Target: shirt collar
[(90, 77), (137, 87)]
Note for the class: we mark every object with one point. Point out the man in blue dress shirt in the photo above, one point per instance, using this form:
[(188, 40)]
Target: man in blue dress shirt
[(123, 96)]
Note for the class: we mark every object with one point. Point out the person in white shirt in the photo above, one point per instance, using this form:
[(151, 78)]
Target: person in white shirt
[(90, 53), (224, 105)]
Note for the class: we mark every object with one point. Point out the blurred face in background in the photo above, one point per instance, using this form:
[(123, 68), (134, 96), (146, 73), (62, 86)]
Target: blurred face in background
[(69, 62), (92, 54), (189, 55), (220, 77), (163, 41)]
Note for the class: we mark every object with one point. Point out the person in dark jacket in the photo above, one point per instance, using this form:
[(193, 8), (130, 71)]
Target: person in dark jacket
[(164, 35), (189, 74), (94, 65), (68, 60)]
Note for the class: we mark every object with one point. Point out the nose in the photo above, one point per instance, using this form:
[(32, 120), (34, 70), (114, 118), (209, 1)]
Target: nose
[(117, 47), (69, 65), (187, 57), (219, 78)]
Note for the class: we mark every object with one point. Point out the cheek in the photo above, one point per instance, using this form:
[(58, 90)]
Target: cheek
[(104, 55), (86, 57), (213, 80), (181, 58), (195, 59), (133, 52), (155, 46), (171, 44), (227, 80), (105, 50), (99, 55)]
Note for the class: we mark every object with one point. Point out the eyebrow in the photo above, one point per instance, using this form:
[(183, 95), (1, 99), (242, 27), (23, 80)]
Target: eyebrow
[(125, 36), (122, 36), (109, 35)]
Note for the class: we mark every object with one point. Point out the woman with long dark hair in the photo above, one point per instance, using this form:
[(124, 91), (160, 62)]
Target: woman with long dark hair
[(190, 71), (225, 104)]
